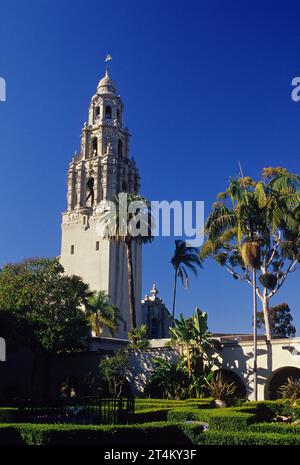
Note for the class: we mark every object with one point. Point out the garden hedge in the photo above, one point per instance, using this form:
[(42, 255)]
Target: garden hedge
[(229, 438), (145, 434), (222, 419), (279, 428), (150, 415)]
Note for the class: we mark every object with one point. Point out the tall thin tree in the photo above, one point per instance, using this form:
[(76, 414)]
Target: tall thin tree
[(129, 221), (185, 259)]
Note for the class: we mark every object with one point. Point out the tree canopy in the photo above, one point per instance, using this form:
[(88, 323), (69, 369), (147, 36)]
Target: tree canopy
[(261, 215), (42, 307)]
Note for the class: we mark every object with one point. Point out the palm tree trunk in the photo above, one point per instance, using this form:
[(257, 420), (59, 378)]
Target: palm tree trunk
[(254, 336), (131, 285), (174, 296), (188, 355)]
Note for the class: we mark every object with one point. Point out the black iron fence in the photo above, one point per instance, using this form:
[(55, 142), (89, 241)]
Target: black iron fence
[(97, 412)]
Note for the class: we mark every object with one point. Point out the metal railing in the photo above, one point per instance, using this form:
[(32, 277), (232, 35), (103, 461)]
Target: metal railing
[(100, 411)]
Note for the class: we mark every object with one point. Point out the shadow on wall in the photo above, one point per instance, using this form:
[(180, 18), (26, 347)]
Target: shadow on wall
[(141, 362)]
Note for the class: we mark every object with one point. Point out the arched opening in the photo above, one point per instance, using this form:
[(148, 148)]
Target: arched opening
[(120, 148), (108, 112), (97, 112), (95, 146), (154, 328), (231, 377), (90, 189), (278, 378)]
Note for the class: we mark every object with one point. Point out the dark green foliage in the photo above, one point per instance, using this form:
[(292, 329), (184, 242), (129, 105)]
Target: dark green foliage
[(170, 378), (228, 438), (189, 414), (114, 370), (280, 428), (231, 420), (281, 321), (150, 414), (42, 306), (144, 434)]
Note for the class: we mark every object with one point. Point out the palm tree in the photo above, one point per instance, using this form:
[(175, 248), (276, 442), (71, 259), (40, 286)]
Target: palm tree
[(183, 334), (129, 222), (102, 314), (262, 217), (138, 337), (185, 259)]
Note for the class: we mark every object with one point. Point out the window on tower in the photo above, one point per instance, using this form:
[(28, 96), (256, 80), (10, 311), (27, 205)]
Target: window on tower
[(120, 148), (95, 146), (97, 112), (72, 249), (108, 112)]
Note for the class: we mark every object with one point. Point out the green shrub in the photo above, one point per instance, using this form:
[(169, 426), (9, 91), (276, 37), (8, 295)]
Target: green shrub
[(144, 434), (150, 415), (268, 409), (279, 428), (188, 414), (231, 420), (245, 438)]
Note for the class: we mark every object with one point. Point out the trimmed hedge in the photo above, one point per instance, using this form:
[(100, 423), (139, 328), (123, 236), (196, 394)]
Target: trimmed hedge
[(231, 420), (186, 414), (230, 438), (279, 428), (145, 434), (150, 415)]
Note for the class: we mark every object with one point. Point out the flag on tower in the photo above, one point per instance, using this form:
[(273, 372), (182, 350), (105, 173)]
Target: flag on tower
[(108, 57)]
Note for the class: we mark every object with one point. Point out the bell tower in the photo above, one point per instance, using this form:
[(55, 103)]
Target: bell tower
[(98, 172)]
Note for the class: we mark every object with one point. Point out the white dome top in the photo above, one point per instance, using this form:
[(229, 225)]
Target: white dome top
[(106, 85)]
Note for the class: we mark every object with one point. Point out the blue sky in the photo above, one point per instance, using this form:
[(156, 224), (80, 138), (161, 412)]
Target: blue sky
[(205, 84)]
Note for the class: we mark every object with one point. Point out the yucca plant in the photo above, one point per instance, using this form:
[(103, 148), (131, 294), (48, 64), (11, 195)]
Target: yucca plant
[(290, 390), (220, 389)]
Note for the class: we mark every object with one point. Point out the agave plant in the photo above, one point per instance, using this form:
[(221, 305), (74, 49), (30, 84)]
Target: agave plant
[(290, 390), (220, 389)]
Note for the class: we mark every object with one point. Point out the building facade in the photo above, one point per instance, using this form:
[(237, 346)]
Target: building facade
[(101, 170), (156, 316)]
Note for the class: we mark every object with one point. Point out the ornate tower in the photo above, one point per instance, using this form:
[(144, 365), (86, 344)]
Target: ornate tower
[(101, 170)]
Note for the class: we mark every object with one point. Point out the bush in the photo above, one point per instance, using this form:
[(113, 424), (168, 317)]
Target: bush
[(186, 414), (229, 438), (150, 415), (218, 419), (279, 428), (268, 409), (146, 434), (231, 420)]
